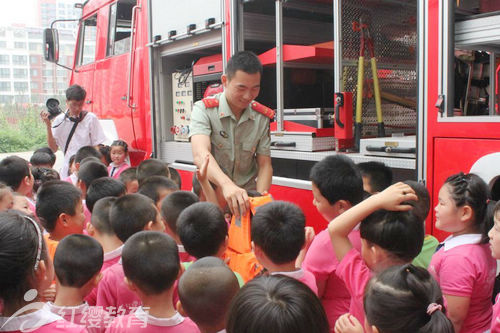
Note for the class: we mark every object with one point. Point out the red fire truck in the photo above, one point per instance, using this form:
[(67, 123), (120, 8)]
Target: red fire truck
[(412, 84)]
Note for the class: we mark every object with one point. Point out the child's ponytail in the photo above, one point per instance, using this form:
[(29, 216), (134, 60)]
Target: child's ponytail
[(438, 322)]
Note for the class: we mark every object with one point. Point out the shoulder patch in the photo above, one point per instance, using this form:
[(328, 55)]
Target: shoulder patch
[(268, 112), (210, 102)]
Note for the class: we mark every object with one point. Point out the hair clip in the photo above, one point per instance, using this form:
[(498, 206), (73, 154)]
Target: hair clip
[(40, 240), (433, 307)]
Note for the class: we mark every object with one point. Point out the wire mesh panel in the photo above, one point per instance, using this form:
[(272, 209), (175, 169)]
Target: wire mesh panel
[(393, 29)]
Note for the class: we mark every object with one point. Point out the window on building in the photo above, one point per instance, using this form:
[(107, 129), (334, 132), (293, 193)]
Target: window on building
[(20, 86), (4, 73), (20, 73), (19, 60), (35, 47), (34, 59), (4, 86), (4, 59), (120, 27), (34, 72), (3, 44), (2, 32), (48, 72), (87, 41), (35, 34), (61, 86), (22, 98), (35, 85), (19, 34), (48, 85), (20, 45), (5, 99)]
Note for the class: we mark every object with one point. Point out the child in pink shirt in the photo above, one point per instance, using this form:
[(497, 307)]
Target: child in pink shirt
[(171, 207), (129, 214), (153, 281), (119, 155), (276, 303), (388, 238), (494, 235), (26, 270), (207, 306), (336, 186), (400, 299), (464, 267), (76, 276), (129, 178), (278, 235)]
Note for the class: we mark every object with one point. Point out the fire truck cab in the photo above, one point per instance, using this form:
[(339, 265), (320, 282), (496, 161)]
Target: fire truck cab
[(412, 84)]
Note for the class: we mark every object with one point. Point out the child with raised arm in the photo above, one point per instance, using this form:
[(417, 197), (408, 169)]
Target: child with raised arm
[(151, 265), (77, 265), (278, 235), (388, 238), (463, 266)]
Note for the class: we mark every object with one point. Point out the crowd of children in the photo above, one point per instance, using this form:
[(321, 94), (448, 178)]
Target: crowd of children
[(114, 248)]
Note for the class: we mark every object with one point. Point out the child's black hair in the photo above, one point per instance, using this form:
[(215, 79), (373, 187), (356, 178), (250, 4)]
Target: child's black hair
[(128, 175), (338, 178), (86, 151), (43, 175), (100, 218), (152, 186), (105, 152), (13, 170), (120, 143), (278, 229), (422, 206), (103, 187), (196, 185), (401, 234), (130, 214), (152, 167), (471, 190), (175, 176), (75, 93), (398, 299), (379, 175), (78, 259), (41, 159), (19, 246), (277, 304), (202, 229), (206, 290), (151, 261), (48, 151), (173, 205), (54, 198), (91, 171)]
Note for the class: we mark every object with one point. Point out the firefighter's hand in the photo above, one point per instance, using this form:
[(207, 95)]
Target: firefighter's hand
[(236, 198), (45, 117), (347, 323)]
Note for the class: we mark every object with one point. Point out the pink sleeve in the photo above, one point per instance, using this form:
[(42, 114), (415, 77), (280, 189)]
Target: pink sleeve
[(355, 274), (114, 327), (457, 275), (92, 297), (105, 297), (320, 259)]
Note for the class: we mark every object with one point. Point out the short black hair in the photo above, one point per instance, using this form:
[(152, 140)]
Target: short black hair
[(152, 186), (152, 167), (41, 158), (128, 175), (91, 171), (278, 304), (422, 206), (206, 289), (401, 234), (338, 178), (119, 143), (278, 229), (130, 214), (48, 151), (13, 170), (43, 175), (175, 176), (103, 187), (105, 152), (202, 229), (173, 205), (86, 151), (54, 198), (100, 218), (151, 261), (245, 61), (77, 259), (196, 185), (378, 174), (75, 93)]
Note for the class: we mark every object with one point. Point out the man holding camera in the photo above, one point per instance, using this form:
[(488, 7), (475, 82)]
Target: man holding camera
[(74, 128)]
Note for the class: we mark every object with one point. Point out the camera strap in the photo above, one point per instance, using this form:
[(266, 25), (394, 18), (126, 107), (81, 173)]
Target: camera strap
[(75, 123)]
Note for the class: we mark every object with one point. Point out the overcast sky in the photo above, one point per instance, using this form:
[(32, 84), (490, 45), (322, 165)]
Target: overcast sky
[(18, 12)]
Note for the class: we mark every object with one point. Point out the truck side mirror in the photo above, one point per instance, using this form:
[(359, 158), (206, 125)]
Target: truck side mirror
[(51, 45)]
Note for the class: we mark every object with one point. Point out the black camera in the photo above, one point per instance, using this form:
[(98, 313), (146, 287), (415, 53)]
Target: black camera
[(52, 105)]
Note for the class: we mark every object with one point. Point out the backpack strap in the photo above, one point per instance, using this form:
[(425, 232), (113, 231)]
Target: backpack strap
[(268, 112)]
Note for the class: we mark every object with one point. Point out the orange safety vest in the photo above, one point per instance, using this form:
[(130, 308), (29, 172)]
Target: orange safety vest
[(239, 251)]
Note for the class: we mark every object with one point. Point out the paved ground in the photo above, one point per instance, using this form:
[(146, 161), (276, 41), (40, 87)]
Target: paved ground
[(27, 154)]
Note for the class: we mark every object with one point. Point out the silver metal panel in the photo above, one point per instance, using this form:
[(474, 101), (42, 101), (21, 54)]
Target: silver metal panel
[(303, 142), (482, 33), (291, 182), (393, 142), (171, 151), (193, 43), (422, 92)]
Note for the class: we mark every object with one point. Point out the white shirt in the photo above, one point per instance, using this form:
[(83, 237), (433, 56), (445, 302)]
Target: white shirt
[(89, 132)]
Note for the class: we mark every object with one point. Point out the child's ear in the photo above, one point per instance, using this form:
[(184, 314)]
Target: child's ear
[(466, 213), (343, 205), (149, 226), (43, 276), (180, 309), (63, 218), (96, 279), (90, 229)]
